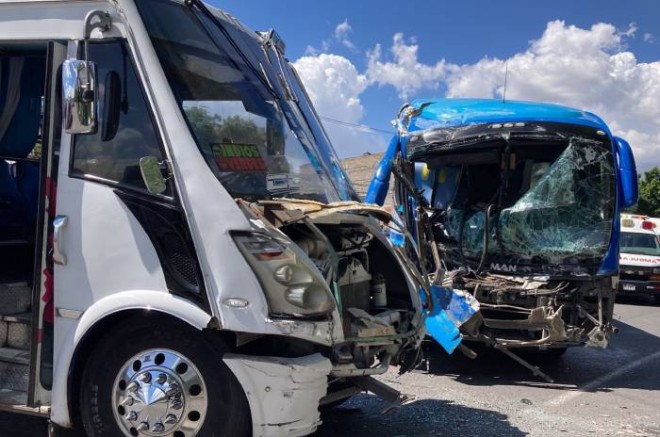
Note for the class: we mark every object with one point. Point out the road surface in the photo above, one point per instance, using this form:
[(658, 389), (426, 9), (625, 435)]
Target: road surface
[(613, 392)]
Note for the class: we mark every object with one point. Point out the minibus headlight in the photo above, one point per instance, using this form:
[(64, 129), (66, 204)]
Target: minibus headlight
[(291, 282)]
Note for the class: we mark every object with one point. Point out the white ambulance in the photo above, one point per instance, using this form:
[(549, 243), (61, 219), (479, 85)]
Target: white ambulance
[(639, 256), (155, 280)]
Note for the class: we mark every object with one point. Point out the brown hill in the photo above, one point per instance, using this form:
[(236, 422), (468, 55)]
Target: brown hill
[(361, 169)]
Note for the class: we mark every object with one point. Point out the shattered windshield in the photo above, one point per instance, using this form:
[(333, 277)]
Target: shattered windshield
[(254, 139), (639, 244), (544, 206)]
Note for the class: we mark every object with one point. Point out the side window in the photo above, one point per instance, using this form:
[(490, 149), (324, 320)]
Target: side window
[(116, 159)]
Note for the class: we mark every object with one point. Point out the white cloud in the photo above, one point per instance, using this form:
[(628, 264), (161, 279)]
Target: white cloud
[(404, 72), (649, 38), (341, 34), (334, 86), (584, 68), (632, 28)]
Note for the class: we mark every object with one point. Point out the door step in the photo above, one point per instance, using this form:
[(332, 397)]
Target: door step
[(16, 331), (15, 339), (14, 369)]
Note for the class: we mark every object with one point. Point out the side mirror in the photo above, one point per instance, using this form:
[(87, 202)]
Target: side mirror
[(151, 175), (80, 90), (627, 173)]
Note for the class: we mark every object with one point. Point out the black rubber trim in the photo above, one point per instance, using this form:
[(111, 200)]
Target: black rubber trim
[(165, 224)]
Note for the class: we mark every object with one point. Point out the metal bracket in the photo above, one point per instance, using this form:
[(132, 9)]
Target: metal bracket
[(394, 397)]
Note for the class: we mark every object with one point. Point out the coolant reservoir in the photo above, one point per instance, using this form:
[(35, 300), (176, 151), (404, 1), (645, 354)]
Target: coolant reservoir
[(379, 291)]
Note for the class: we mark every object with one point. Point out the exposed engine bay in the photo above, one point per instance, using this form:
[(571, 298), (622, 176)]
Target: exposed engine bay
[(379, 311)]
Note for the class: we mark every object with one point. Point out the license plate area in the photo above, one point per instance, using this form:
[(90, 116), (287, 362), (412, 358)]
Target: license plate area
[(629, 287)]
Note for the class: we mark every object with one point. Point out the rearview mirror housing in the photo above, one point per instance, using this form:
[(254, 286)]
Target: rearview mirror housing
[(627, 172), (80, 102)]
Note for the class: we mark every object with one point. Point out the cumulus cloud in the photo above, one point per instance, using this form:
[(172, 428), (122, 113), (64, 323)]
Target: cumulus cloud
[(584, 68), (588, 68), (404, 72), (334, 86)]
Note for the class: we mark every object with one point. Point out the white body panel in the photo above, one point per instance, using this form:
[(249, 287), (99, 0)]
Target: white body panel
[(44, 21), (283, 393), (635, 260)]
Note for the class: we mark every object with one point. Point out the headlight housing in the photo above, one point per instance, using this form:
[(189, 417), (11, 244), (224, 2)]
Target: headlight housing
[(291, 282), (656, 270)]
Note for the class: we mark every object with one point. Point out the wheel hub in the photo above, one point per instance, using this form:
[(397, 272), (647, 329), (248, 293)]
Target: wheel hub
[(159, 393)]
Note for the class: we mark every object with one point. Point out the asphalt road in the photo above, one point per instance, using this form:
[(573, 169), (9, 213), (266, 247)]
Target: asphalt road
[(612, 392)]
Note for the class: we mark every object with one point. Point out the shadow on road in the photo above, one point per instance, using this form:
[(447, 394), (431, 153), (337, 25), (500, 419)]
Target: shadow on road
[(579, 368), (362, 416), (636, 300)]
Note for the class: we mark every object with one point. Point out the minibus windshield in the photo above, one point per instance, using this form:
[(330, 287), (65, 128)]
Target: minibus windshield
[(251, 131)]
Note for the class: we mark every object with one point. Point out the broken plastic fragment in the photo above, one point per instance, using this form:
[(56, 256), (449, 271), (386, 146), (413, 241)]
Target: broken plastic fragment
[(451, 309)]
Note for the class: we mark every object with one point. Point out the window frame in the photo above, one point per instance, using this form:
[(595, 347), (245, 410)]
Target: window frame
[(171, 195)]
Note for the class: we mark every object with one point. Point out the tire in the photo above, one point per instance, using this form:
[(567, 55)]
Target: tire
[(189, 390)]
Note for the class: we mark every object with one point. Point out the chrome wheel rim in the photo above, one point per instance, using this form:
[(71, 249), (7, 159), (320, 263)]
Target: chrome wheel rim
[(159, 392)]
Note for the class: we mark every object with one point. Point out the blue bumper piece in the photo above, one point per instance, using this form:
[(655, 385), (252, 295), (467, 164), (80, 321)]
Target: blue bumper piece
[(451, 309)]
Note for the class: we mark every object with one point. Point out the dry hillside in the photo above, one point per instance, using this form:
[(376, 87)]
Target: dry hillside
[(361, 169)]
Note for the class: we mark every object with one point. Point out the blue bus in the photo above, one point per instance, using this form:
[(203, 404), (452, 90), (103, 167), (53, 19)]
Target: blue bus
[(516, 203)]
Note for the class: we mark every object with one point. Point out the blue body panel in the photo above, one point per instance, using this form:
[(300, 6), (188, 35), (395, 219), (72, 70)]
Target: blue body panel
[(464, 112)]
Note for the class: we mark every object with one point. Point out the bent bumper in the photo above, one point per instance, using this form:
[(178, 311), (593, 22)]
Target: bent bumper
[(283, 393)]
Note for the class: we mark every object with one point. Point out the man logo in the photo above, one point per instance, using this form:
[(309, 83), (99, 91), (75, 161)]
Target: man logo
[(503, 268)]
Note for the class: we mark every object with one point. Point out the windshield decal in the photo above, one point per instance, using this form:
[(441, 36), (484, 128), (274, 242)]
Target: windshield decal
[(238, 157)]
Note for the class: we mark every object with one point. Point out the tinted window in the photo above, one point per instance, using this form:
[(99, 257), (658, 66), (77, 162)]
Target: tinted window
[(117, 158)]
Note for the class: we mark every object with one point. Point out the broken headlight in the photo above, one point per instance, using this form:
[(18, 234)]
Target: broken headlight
[(292, 284)]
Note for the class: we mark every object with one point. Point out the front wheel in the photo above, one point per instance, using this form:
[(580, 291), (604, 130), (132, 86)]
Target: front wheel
[(162, 380)]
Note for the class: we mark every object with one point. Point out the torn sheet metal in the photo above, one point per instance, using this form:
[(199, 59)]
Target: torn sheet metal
[(314, 210), (283, 393)]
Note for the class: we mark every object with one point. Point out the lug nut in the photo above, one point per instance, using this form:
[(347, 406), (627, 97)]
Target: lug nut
[(133, 416), (176, 404), (144, 426), (128, 401), (172, 390), (145, 377), (158, 427), (132, 386), (162, 378), (170, 419)]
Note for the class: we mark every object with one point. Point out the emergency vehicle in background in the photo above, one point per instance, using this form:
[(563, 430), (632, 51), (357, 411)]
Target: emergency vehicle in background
[(639, 256), (183, 254)]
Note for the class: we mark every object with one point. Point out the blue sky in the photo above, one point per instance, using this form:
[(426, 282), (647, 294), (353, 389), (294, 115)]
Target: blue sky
[(351, 57)]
